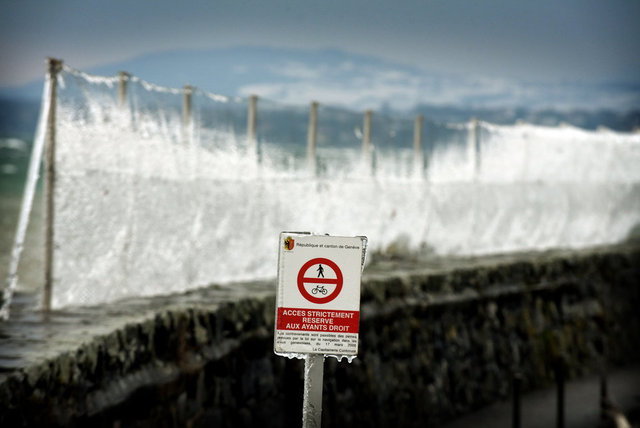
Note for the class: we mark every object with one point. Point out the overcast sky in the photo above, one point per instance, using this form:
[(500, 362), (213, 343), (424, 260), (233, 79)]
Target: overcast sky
[(541, 40)]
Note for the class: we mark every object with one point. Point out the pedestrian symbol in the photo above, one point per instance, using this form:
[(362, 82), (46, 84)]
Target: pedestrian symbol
[(320, 289)]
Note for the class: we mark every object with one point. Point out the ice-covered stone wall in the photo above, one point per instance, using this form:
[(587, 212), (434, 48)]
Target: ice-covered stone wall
[(435, 342)]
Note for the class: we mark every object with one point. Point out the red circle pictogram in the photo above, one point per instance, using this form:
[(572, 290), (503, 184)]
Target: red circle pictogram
[(338, 280)]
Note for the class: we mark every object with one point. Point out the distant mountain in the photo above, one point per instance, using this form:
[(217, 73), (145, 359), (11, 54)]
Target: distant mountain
[(334, 77)]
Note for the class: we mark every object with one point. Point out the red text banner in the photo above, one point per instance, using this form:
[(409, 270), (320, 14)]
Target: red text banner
[(318, 320)]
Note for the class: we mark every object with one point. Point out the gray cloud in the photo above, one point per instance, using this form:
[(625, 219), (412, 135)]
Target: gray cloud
[(544, 41)]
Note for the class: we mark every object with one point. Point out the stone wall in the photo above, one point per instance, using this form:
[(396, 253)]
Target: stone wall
[(435, 342)]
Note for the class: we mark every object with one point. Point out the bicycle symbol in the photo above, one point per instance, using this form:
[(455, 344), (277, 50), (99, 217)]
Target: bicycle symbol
[(319, 288)]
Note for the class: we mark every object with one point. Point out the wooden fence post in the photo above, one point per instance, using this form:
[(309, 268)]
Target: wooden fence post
[(367, 154), (418, 156), (187, 104), (252, 120), (54, 67), (312, 135), (123, 80), (474, 147)]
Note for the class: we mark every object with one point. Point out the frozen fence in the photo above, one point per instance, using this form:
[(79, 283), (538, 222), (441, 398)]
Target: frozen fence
[(159, 190)]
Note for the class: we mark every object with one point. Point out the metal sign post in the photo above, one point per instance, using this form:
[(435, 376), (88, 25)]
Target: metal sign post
[(312, 400), (318, 306)]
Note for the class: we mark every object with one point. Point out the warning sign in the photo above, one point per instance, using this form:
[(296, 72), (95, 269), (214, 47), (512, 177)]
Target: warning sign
[(318, 295)]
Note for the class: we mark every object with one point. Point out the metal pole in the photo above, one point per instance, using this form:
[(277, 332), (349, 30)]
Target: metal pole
[(605, 403), (312, 135), (123, 80), (604, 399), (517, 383), (560, 375), (54, 67), (366, 139), (252, 120), (312, 401)]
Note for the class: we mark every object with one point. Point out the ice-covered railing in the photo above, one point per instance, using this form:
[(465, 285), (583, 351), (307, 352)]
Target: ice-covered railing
[(159, 190)]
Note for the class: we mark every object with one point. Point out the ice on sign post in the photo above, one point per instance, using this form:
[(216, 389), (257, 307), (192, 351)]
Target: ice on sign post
[(318, 295)]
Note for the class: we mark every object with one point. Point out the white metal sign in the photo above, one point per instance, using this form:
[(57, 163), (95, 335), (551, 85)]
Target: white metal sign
[(318, 295)]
